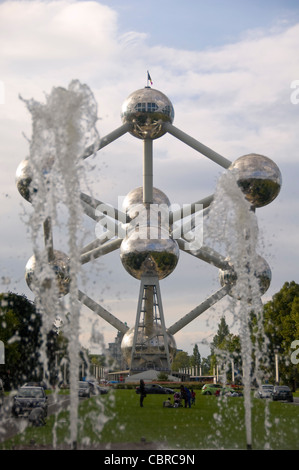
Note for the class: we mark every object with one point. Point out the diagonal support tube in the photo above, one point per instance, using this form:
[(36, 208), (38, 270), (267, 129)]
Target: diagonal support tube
[(190, 209), (201, 148), (101, 206), (206, 254), (111, 224), (198, 310), (105, 237), (100, 251), (103, 313), (91, 150)]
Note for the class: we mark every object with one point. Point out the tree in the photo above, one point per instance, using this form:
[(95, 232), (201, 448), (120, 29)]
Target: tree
[(195, 359), (281, 324), (20, 332), (225, 348), (180, 361), (221, 336)]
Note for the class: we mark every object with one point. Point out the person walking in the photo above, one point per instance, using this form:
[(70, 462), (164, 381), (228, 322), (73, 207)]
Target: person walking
[(142, 392)]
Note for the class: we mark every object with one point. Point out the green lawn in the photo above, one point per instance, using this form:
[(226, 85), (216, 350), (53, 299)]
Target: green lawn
[(213, 423)]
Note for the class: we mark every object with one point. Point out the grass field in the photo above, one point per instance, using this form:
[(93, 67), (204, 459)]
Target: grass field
[(212, 423)]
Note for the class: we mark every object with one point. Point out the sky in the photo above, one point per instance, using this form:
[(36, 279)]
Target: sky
[(231, 71)]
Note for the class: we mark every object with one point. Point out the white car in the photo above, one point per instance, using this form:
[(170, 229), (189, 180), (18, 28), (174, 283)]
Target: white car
[(265, 391)]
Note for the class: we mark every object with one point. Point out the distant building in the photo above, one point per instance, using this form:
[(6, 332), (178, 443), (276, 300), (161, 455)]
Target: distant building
[(114, 352)]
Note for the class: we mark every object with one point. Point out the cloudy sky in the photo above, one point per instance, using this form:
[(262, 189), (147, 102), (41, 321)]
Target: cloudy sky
[(229, 68)]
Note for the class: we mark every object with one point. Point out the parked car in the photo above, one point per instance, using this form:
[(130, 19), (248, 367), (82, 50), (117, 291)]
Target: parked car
[(265, 391), (282, 393), (36, 384), (84, 389), (28, 398), (96, 389), (156, 388), (214, 389)]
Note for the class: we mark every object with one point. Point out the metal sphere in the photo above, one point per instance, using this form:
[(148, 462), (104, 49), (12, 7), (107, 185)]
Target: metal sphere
[(154, 257), (146, 110), (149, 347), (227, 277), (258, 177), (148, 248), (262, 273), (134, 198), (60, 269), (24, 179)]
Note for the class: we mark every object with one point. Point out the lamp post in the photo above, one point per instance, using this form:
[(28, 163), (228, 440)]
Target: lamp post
[(276, 367)]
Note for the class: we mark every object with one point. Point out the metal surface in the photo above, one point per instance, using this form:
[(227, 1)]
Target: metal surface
[(146, 110), (258, 177), (24, 179), (102, 312), (148, 171), (59, 273), (142, 255), (133, 200), (259, 268), (106, 140), (198, 146), (150, 345), (148, 247), (149, 350), (198, 310)]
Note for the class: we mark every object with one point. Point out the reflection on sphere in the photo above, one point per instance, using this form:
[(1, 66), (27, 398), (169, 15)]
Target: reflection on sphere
[(262, 272), (60, 269), (24, 179), (258, 177), (146, 110), (143, 256)]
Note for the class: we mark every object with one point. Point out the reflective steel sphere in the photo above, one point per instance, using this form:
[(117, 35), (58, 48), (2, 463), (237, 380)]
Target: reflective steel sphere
[(134, 198), (24, 179), (258, 177), (141, 255), (148, 248), (60, 269), (262, 273), (146, 110), (150, 348)]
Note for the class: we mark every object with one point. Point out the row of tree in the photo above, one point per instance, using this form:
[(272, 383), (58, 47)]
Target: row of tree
[(20, 331), (279, 339)]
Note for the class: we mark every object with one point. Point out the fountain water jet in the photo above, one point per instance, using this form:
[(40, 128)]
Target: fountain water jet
[(233, 222), (62, 129)]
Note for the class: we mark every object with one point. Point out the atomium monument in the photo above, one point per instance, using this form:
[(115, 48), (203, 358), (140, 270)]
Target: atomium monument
[(149, 249)]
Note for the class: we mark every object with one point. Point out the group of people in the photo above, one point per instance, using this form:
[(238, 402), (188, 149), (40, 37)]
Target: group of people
[(185, 397)]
